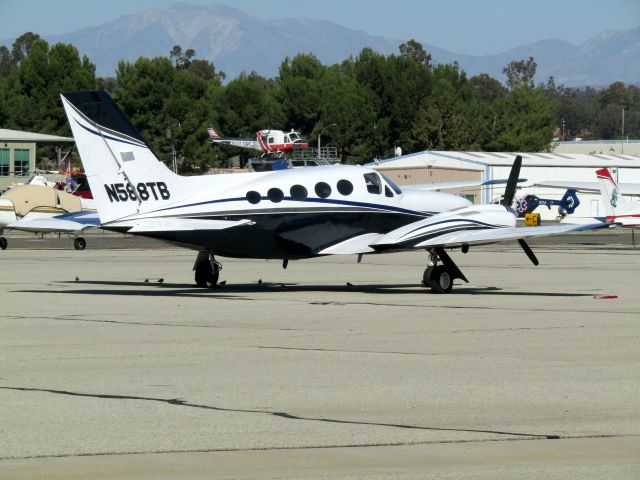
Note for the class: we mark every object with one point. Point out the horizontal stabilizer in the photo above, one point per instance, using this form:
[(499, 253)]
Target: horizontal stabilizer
[(183, 224)]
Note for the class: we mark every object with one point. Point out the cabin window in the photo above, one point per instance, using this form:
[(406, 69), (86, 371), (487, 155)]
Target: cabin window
[(345, 187), (270, 139), (253, 197), (323, 190), (395, 187), (286, 139), (298, 192), (275, 195), (374, 185), (387, 191)]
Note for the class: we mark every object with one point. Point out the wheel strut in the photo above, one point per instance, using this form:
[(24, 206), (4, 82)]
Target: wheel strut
[(207, 270), (440, 277)]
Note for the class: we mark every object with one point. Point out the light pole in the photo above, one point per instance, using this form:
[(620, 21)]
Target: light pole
[(174, 159), (321, 132), (622, 143)]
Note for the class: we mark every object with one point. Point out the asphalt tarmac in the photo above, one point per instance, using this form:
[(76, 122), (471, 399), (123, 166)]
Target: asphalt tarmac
[(113, 365)]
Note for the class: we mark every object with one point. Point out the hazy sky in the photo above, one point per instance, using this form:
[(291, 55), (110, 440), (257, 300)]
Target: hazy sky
[(474, 27)]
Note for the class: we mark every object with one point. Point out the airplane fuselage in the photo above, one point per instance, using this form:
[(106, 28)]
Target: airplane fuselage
[(296, 213)]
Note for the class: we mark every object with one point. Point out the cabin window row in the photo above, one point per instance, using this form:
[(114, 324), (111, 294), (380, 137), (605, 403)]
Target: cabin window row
[(300, 193), (323, 190)]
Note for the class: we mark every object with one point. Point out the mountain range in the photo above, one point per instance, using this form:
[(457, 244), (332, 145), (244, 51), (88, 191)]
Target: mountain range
[(235, 41)]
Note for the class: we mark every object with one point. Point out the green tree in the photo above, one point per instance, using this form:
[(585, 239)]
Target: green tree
[(520, 72), (34, 84), (248, 104), (525, 121), (416, 51), (157, 96), (202, 68), (449, 116)]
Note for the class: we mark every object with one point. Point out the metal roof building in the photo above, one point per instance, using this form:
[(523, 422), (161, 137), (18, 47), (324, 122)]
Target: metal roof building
[(18, 153), (440, 166)]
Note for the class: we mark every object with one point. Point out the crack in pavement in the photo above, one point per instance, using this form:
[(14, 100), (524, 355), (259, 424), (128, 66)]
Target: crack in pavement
[(288, 416), (471, 307), (68, 319), (315, 447), (345, 351)]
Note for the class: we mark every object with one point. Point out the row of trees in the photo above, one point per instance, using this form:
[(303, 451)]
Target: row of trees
[(377, 102)]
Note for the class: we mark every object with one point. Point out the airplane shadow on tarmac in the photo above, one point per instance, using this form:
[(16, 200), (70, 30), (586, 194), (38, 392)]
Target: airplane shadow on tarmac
[(156, 289)]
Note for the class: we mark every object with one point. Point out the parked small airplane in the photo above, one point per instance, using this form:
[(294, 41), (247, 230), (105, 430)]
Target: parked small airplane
[(28, 207), (267, 141), (566, 205), (283, 214)]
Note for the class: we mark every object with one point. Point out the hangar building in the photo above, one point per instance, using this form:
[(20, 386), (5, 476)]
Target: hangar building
[(18, 154), (439, 166)]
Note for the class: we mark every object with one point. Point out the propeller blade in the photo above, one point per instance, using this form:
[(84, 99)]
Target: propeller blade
[(510, 189), (528, 251)]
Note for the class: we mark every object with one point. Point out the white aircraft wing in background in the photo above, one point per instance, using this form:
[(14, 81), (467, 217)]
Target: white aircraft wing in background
[(67, 223), (589, 187), (426, 187)]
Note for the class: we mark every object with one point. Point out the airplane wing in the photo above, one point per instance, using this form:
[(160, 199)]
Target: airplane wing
[(460, 230), (457, 239), (424, 187), (182, 224), (589, 187), (67, 223)]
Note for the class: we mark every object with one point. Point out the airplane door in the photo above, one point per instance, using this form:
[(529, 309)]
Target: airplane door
[(595, 208)]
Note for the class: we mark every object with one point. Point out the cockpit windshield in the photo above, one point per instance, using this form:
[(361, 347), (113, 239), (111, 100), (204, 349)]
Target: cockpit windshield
[(374, 185), (294, 137), (395, 187)]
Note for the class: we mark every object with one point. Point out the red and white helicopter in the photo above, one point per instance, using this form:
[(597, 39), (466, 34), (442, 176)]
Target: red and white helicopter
[(266, 141)]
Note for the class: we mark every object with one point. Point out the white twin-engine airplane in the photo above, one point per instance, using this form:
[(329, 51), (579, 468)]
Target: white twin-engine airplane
[(286, 214)]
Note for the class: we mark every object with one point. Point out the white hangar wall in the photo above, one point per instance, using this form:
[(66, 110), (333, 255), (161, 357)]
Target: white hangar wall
[(536, 167)]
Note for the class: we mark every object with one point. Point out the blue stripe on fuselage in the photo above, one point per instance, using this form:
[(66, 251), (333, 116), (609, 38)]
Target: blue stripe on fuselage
[(314, 200)]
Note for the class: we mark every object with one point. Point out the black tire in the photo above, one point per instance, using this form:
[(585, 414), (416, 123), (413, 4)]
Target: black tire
[(441, 280), (79, 243), (3, 243), (426, 276), (206, 277)]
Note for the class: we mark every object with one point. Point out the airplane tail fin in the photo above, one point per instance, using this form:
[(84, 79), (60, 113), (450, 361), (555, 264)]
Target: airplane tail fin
[(124, 175), (613, 201)]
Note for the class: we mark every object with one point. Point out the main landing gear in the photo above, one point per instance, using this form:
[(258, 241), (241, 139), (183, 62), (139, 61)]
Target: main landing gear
[(439, 278), (207, 270), (79, 243), (3, 243)]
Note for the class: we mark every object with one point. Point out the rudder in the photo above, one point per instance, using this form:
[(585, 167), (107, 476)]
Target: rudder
[(124, 175)]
